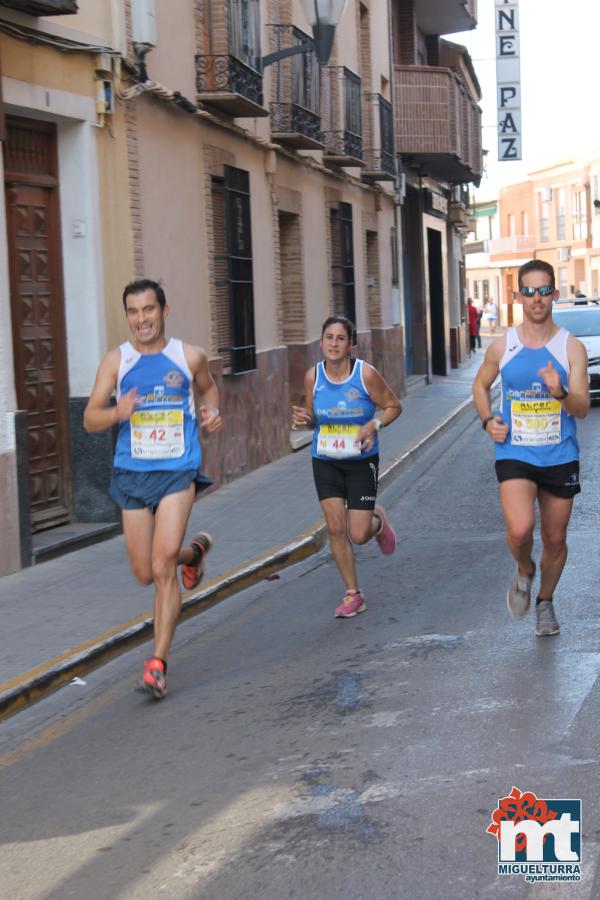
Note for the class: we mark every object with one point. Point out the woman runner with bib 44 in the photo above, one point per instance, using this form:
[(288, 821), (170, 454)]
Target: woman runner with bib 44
[(342, 395)]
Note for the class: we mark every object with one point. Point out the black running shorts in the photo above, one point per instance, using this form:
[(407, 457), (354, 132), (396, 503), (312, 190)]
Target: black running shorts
[(562, 481), (354, 480)]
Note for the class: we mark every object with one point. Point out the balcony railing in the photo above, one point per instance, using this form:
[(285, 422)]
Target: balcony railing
[(522, 243), (380, 162), (295, 113), (43, 7), (447, 17), (437, 123), (341, 117), (228, 71)]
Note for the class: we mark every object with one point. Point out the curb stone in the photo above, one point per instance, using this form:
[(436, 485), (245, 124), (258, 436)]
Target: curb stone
[(20, 693)]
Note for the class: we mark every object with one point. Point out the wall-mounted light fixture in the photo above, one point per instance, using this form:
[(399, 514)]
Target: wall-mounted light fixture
[(324, 17)]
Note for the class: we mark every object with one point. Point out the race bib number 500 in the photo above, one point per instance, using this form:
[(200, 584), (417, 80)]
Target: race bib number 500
[(338, 441), (535, 423), (157, 434)]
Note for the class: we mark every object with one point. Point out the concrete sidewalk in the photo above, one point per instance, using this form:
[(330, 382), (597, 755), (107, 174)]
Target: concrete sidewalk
[(65, 616)]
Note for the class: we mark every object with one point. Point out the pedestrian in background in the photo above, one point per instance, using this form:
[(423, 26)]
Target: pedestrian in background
[(473, 324), (479, 318), (491, 314)]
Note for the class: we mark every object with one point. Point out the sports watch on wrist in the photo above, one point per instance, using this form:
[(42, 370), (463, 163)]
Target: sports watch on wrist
[(563, 395), (378, 424)]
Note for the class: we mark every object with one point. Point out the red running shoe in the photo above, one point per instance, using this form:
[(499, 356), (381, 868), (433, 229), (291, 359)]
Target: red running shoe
[(154, 679), (191, 576)]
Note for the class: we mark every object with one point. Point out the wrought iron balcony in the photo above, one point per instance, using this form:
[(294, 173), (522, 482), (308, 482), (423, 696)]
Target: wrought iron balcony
[(379, 153), (43, 7), (447, 17), (295, 91), (341, 117), (228, 71), (437, 123)]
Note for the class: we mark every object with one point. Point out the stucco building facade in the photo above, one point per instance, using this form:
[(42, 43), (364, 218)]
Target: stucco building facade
[(158, 140)]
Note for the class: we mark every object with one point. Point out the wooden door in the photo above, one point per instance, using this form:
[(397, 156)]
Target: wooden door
[(39, 344)]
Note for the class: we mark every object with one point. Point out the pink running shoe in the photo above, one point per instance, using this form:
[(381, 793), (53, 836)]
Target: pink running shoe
[(353, 603), (386, 536)]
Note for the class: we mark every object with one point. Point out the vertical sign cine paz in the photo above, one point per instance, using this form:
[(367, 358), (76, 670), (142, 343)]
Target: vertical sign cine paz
[(508, 79)]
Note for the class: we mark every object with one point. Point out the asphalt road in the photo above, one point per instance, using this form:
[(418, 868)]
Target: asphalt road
[(300, 756)]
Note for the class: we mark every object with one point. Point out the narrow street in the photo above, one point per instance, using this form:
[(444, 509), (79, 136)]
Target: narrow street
[(300, 756)]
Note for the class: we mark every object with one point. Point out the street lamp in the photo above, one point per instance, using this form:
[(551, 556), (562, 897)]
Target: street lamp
[(323, 15)]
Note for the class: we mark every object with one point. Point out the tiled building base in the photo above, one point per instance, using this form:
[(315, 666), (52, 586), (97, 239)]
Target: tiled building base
[(10, 559), (384, 349), (387, 355), (300, 358), (256, 414)]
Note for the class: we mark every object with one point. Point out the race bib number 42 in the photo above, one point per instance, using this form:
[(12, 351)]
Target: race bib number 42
[(338, 441), (157, 434), (535, 423)]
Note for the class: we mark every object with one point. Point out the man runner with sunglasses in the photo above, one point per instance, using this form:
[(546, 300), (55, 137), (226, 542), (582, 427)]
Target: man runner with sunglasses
[(544, 388)]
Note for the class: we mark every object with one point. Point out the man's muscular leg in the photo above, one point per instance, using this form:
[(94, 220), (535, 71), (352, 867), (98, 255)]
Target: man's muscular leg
[(555, 513), (517, 497), (171, 520)]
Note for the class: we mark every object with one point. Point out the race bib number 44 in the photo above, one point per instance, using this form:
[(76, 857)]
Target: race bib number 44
[(157, 434), (338, 441), (535, 423)]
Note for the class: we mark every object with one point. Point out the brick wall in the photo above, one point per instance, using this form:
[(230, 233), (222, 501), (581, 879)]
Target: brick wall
[(133, 165), (256, 416), (405, 32), (387, 355), (366, 74), (212, 27), (371, 251), (215, 158), (292, 279)]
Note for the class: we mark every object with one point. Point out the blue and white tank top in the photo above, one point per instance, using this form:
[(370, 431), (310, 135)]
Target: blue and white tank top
[(339, 409), (540, 432), (162, 434)]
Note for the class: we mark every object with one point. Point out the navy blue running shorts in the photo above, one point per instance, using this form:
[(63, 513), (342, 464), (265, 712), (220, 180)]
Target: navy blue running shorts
[(562, 481), (354, 480), (145, 490)]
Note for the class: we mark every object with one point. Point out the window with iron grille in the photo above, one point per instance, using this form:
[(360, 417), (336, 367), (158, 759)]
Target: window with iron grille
[(352, 103), (344, 301), (244, 28), (305, 75), (386, 129), (234, 289)]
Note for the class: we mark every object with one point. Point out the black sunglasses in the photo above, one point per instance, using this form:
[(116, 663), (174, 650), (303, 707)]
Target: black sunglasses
[(544, 291)]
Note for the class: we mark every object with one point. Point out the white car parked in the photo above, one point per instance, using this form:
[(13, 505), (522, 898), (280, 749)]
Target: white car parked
[(582, 318)]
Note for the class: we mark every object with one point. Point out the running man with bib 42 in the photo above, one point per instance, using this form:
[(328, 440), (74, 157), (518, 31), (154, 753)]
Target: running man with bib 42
[(156, 471), (544, 388), (342, 395)]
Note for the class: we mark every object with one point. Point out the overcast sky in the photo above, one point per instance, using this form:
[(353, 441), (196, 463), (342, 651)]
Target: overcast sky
[(560, 82)]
